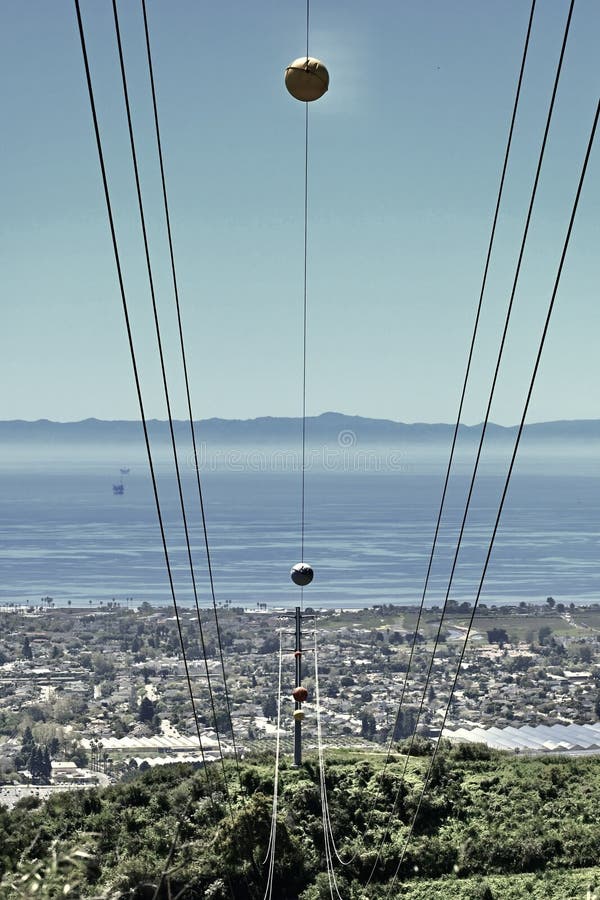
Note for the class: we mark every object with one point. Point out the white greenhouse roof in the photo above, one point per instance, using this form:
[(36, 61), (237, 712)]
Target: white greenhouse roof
[(541, 738)]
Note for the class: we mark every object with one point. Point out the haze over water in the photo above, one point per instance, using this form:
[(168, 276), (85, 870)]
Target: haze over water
[(368, 534)]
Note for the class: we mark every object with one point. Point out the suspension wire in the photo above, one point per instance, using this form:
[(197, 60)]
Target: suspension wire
[(166, 388), (271, 848), (458, 418), (172, 849), (482, 438), (187, 386), (304, 336), (307, 25), (117, 258), (168, 870), (321, 753), (304, 318), (506, 484), (328, 843), (137, 383)]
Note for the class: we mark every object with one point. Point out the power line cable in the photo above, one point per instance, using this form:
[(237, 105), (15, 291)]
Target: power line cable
[(271, 848), (304, 319), (328, 842), (187, 383), (332, 846), (459, 414), (169, 412), (484, 428), (165, 385), (506, 484), (307, 25), (137, 381), (140, 402), (168, 869), (172, 849)]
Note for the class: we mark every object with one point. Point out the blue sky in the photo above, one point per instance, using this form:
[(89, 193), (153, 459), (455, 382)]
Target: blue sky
[(405, 157)]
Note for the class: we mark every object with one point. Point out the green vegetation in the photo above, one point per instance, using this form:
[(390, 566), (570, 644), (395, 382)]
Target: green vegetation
[(492, 827)]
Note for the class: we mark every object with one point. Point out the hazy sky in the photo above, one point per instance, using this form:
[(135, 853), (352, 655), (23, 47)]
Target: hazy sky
[(405, 157)]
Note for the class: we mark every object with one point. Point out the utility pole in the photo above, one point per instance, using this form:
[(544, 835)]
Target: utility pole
[(297, 704), (301, 574)]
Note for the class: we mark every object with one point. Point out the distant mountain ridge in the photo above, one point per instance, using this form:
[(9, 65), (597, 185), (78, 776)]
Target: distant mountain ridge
[(267, 430)]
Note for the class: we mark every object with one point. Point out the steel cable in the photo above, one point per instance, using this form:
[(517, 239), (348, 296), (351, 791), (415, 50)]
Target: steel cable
[(136, 375), (187, 382), (484, 426), (271, 848), (165, 384), (506, 483), (459, 413)]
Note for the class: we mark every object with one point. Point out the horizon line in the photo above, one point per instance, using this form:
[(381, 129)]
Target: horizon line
[(262, 418)]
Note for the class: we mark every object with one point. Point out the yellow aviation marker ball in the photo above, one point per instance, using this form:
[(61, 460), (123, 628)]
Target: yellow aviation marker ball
[(306, 79)]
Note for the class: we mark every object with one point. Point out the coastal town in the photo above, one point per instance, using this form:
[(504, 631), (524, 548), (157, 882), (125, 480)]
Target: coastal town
[(87, 695)]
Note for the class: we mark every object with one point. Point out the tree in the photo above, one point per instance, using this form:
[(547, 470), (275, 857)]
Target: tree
[(33, 762), (28, 742), (584, 652), (497, 636), (37, 713), (269, 707), (544, 633), (79, 757), (147, 710), (39, 764), (405, 724), (46, 765), (414, 638), (104, 666), (106, 689), (269, 645), (26, 651), (368, 725), (551, 602)]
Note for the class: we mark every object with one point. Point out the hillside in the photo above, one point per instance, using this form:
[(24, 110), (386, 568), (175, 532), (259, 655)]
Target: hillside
[(333, 441), (269, 430), (492, 827)]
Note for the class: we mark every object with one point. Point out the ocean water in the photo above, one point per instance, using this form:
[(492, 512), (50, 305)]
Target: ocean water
[(368, 536)]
